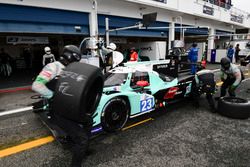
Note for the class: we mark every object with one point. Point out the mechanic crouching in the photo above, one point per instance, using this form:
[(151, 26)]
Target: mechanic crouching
[(78, 133), (204, 83), (231, 76)]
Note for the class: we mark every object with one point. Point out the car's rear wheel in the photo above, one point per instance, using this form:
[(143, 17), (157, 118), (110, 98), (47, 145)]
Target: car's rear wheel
[(115, 115)]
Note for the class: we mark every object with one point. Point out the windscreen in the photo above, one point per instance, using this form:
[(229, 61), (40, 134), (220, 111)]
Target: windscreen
[(115, 79)]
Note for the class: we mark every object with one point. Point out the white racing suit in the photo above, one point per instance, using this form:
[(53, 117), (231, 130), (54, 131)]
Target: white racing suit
[(231, 79), (78, 134), (49, 72), (48, 58)]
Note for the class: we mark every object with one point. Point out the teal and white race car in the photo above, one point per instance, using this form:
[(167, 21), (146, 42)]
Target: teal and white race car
[(138, 88)]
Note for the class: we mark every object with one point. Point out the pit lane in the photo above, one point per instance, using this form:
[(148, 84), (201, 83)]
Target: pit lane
[(179, 136)]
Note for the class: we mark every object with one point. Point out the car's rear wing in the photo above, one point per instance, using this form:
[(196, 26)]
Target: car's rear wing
[(168, 67)]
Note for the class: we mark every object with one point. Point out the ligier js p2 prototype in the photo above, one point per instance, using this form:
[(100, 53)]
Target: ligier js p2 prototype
[(138, 88), (127, 91)]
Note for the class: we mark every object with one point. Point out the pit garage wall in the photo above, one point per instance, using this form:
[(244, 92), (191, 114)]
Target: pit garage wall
[(134, 9), (51, 19)]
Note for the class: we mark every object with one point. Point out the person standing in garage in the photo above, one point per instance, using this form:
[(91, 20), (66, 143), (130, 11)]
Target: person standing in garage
[(193, 57), (230, 53), (48, 57), (5, 63), (133, 54), (78, 133), (236, 55)]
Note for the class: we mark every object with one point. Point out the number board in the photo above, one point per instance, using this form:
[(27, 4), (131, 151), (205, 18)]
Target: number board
[(147, 104)]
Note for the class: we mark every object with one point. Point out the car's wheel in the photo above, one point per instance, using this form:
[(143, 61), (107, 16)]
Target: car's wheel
[(78, 91), (115, 115), (234, 107)]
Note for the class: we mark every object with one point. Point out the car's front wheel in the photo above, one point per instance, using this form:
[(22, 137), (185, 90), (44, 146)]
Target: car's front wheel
[(115, 115)]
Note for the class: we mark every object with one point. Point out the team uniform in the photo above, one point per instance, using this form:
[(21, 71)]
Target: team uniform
[(231, 78), (193, 57), (204, 83), (49, 72), (48, 58), (78, 133)]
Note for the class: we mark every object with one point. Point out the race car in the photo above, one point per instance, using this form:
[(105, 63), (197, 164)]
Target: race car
[(137, 88), (129, 91)]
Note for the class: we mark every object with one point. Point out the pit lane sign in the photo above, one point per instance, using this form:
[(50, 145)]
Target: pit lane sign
[(237, 19), (27, 40), (208, 10)]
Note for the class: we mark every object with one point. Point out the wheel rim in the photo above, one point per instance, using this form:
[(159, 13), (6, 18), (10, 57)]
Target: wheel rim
[(115, 115)]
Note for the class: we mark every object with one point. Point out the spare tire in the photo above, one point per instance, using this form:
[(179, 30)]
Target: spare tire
[(78, 91), (234, 107)]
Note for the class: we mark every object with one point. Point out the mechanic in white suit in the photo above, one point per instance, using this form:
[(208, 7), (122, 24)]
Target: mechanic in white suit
[(48, 57)]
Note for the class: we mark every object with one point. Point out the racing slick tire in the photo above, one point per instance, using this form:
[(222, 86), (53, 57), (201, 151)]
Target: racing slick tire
[(234, 107), (78, 91), (114, 115)]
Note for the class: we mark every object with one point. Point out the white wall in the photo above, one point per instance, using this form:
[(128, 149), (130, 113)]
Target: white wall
[(191, 11), (155, 50)]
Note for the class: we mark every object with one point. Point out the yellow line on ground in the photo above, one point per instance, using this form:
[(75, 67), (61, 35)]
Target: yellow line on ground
[(25, 146), (138, 123), (45, 140), (48, 139)]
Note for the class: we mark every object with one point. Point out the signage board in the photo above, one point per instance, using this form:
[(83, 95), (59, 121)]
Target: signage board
[(163, 1), (26, 40), (208, 10), (237, 19)]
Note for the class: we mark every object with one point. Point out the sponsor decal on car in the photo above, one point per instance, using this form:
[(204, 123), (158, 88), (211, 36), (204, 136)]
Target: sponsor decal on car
[(171, 93)]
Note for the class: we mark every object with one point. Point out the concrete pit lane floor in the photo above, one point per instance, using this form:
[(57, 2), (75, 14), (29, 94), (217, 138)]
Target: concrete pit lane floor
[(181, 135)]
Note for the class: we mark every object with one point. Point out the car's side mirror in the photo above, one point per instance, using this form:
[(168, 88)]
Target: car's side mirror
[(142, 83)]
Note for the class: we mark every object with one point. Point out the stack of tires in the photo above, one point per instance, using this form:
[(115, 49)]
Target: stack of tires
[(234, 107)]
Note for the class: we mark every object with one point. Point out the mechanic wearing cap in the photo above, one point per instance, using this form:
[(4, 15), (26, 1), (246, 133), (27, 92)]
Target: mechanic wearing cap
[(193, 57), (231, 76), (133, 54), (204, 83), (78, 133), (48, 57)]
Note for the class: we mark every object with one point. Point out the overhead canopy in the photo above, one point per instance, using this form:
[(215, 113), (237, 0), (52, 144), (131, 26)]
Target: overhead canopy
[(25, 19)]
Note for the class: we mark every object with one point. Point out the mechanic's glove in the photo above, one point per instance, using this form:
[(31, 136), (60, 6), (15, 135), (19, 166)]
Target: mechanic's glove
[(232, 88), (48, 95)]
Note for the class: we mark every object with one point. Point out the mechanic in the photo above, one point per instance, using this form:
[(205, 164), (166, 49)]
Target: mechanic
[(204, 83), (133, 54), (106, 57), (193, 57), (48, 57), (231, 76), (78, 133), (230, 53)]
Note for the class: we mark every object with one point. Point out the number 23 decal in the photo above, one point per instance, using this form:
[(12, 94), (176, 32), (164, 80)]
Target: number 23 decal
[(147, 104)]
